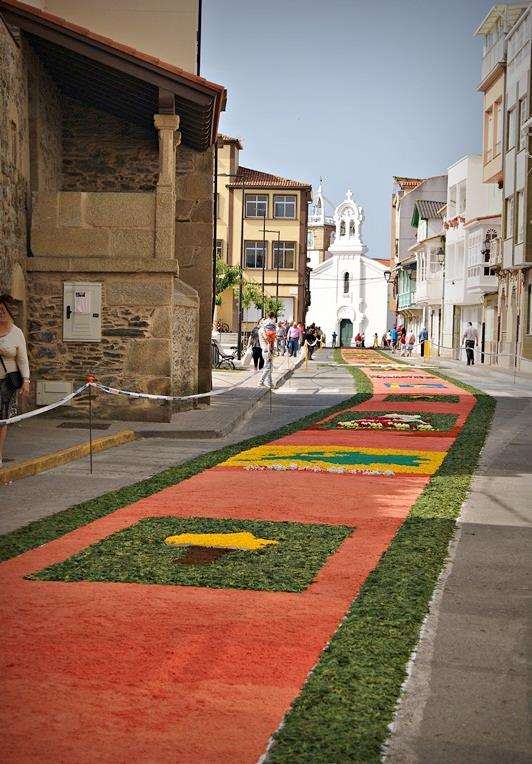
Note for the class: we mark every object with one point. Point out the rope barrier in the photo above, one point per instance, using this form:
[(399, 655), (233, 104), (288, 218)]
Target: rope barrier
[(44, 409), (116, 391)]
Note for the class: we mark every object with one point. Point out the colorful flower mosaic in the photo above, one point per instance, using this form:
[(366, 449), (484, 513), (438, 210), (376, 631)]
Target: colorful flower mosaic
[(400, 422), (340, 457), (395, 385)]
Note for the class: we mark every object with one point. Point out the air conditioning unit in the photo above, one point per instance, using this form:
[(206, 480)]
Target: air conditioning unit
[(51, 391)]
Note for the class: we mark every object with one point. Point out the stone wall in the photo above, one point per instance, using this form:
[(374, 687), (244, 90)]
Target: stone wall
[(104, 153), (13, 161), (30, 152), (135, 350), (194, 232), (185, 334), (45, 116)]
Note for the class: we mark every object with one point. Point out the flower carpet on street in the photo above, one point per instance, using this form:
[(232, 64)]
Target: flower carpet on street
[(184, 625)]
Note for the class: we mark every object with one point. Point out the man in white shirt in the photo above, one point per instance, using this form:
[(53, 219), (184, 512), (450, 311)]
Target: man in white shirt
[(470, 339), (267, 335)]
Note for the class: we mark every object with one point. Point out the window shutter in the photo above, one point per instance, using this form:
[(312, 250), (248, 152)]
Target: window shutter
[(82, 312)]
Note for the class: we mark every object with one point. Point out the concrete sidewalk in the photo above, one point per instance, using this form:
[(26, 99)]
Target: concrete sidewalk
[(40, 495), (43, 435), (466, 697)]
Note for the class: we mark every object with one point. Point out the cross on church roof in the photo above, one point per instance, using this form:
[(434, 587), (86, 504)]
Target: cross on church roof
[(349, 195)]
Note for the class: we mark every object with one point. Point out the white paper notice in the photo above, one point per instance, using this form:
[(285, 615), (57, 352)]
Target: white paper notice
[(82, 302)]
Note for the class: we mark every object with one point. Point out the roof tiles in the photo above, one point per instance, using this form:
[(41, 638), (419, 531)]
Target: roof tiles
[(257, 179)]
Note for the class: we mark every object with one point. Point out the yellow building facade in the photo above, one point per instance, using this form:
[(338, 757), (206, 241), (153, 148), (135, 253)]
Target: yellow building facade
[(271, 212)]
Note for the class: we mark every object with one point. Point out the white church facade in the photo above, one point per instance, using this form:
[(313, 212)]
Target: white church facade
[(348, 290)]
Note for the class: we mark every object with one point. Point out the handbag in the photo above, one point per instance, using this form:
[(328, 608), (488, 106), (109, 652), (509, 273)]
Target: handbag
[(246, 358), (10, 384)]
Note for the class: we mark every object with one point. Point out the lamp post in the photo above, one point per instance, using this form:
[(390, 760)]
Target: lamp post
[(240, 283), (440, 254), (263, 260)]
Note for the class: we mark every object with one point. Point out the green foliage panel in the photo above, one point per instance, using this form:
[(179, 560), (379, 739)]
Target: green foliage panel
[(139, 555)]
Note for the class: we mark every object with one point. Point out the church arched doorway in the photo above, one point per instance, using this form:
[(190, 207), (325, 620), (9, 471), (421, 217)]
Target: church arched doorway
[(346, 332)]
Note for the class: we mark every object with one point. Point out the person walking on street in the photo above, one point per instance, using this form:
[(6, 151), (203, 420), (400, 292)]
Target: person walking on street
[(14, 367), (293, 340), (410, 342), (423, 337), (281, 337), (267, 335), (256, 350), (310, 341), (470, 339), (402, 340), (375, 340), (393, 338)]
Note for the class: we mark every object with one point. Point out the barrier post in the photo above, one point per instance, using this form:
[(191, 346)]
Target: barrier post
[(306, 356), (426, 351), (90, 380), (271, 381)]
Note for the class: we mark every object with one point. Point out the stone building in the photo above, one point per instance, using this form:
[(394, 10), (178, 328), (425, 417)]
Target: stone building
[(107, 211)]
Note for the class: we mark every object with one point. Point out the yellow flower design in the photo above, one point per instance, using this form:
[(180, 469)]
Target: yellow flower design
[(243, 540)]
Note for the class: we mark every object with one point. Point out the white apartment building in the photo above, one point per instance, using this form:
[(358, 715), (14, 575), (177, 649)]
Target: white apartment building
[(429, 253), (515, 286), (407, 192), (472, 226)]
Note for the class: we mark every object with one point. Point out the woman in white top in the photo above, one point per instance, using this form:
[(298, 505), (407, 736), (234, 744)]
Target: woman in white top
[(14, 356)]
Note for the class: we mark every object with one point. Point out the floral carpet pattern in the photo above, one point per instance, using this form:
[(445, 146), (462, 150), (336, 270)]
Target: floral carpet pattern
[(111, 666)]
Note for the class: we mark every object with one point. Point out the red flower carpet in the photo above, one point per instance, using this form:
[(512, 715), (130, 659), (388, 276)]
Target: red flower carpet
[(102, 670)]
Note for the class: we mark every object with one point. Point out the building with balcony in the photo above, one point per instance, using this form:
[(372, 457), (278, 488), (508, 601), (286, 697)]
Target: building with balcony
[(472, 224), (107, 212), (429, 253), (406, 193), (271, 212), (515, 282), (348, 289), (493, 31)]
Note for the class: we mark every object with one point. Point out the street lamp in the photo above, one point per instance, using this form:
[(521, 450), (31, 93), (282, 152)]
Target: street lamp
[(440, 255), (240, 283), (387, 276)]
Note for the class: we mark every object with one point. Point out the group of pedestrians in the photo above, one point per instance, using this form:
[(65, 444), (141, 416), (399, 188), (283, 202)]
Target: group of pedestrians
[(399, 340), (271, 337), (402, 341)]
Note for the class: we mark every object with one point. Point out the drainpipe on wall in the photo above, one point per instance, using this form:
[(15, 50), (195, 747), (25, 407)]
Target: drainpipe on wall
[(215, 226)]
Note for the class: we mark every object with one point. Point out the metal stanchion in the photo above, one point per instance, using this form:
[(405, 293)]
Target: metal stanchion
[(90, 380)]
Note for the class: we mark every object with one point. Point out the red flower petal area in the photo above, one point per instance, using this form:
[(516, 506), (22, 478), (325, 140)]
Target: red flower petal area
[(118, 672)]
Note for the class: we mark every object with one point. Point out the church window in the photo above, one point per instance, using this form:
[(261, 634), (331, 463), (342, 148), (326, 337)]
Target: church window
[(346, 283), (351, 228), (284, 206), (342, 228)]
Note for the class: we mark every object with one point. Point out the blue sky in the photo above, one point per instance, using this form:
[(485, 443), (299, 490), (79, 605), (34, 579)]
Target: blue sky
[(355, 91)]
